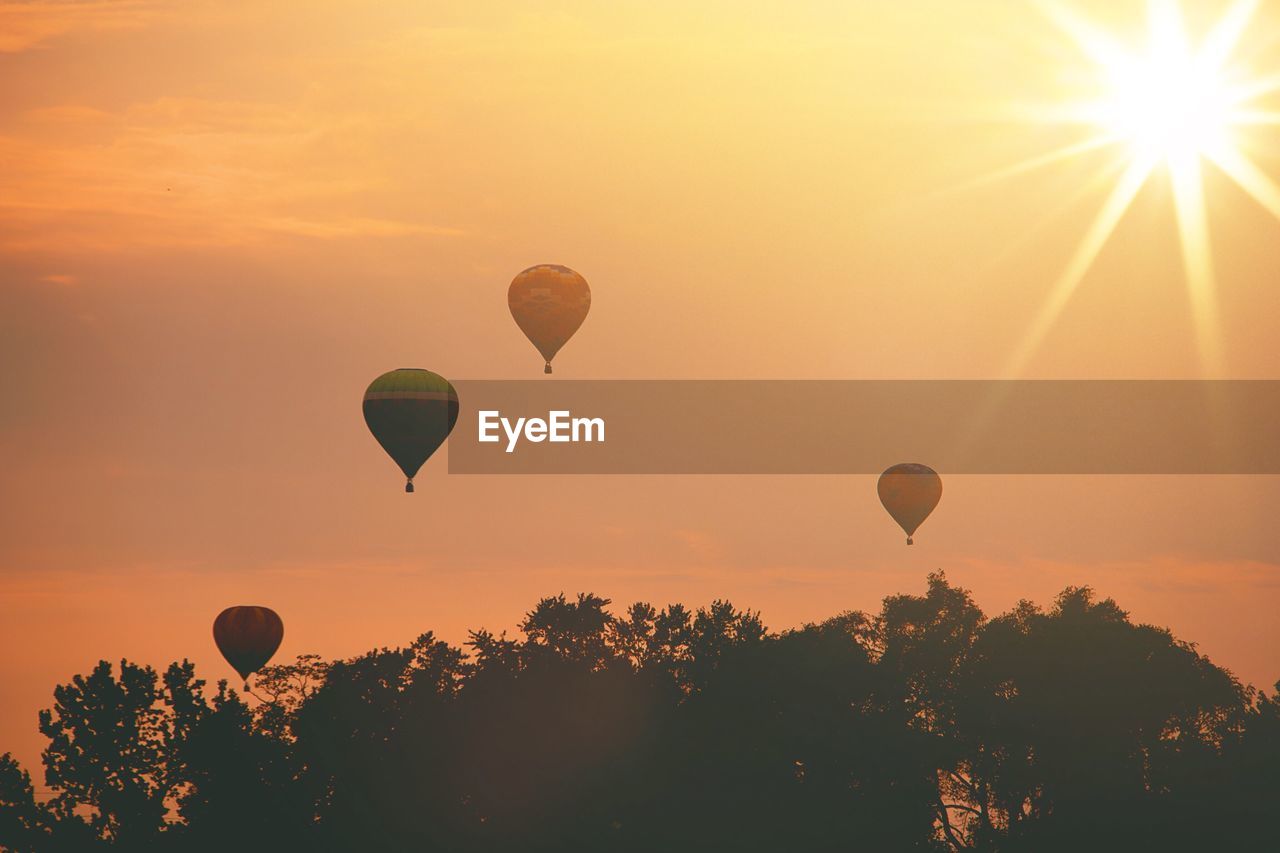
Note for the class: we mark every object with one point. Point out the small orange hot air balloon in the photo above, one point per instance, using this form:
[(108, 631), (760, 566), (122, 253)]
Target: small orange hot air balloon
[(248, 636), (549, 303), (909, 492)]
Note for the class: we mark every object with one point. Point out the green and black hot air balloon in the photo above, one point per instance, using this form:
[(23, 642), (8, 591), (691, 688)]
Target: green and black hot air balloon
[(410, 412)]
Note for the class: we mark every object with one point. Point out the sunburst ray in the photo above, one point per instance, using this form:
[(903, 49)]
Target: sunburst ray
[(1174, 105), (1246, 173), (1095, 237)]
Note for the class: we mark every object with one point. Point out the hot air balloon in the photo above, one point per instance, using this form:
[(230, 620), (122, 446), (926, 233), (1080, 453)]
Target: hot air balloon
[(248, 636), (410, 412), (549, 303), (909, 492)]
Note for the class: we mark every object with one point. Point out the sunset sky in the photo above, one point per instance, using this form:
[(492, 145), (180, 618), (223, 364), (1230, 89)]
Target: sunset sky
[(220, 221)]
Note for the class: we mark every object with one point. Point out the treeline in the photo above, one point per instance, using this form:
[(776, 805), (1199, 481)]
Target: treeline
[(925, 727)]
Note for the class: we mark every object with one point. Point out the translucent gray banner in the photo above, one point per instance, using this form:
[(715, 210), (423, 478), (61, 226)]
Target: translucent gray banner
[(862, 427)]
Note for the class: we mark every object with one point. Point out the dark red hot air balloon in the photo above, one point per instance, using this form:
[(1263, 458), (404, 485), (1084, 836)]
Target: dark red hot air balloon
[(248, 636), (909, 492)]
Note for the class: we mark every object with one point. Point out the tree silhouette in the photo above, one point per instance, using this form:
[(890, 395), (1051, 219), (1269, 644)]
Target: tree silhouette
[(106, 749), (1084, 727), (926, 726), (23, 825)]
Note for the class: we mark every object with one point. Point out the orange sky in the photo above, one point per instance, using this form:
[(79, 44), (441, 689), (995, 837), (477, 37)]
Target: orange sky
[(219, 221)]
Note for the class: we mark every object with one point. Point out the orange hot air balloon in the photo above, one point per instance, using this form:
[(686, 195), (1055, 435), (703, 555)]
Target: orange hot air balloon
[(549, 303), (248, 636), (909, 492)]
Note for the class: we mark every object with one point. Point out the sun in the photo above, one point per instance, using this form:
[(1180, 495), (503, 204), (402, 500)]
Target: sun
[(1175, 103), (1168, 103)]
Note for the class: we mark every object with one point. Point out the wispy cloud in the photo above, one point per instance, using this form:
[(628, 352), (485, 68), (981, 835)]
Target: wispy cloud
[(28, 24), (185, 172)]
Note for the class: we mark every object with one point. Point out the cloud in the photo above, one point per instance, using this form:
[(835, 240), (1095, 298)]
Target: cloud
[(29, 24), (355, 227), (402, 123), (188, 172)]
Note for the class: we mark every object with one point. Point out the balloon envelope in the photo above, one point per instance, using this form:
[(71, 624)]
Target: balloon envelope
[(549, 303), (248, 636), (909, 492), (410, 412)]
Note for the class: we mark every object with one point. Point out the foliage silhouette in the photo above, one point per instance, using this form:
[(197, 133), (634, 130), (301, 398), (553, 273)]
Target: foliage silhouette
[(924, 727)]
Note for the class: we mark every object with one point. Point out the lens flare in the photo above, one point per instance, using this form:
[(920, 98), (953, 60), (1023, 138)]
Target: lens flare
[(1175, 104)]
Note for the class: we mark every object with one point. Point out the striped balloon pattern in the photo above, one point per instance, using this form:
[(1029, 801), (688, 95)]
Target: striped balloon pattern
[(410, 412), (248, 636)]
